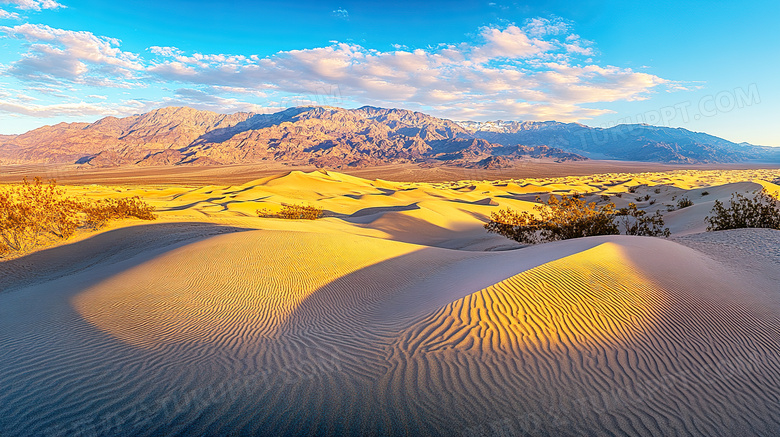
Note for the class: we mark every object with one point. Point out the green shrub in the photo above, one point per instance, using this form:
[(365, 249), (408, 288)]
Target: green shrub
[(572, 217), (762, 211)]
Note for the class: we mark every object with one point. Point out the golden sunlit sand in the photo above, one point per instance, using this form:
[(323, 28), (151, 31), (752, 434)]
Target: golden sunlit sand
[(396, 314)]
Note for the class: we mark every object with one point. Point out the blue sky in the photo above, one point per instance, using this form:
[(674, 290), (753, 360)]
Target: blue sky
[(705, 66)]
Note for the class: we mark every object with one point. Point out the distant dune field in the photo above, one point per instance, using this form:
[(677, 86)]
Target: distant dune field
[(395, 314), (240, 174)]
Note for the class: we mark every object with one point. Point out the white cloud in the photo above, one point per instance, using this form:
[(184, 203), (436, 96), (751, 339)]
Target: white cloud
[(539, 27), (5, 15), (34, 5), (530, 72), (81, 57), (211, 101), (538, 71), (511, 42), (79, 109), (341, 13), (165, 51)]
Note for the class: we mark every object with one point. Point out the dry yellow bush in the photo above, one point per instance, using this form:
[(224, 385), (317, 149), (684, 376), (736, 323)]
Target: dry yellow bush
[(102, 211), (34, 213), (293, 212)]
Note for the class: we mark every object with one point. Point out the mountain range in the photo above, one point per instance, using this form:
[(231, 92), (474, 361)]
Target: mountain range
[(629, 142), (337, 137)]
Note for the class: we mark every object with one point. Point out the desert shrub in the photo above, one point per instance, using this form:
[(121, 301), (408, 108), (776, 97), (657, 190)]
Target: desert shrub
[(293, 212), (572, 217), (34, 213), (684, 203), (657, 191), (100, 212), (265, 213), (633, 189), (637, 222), (644, 198), (761, 211), (559, 219), (705, 193)]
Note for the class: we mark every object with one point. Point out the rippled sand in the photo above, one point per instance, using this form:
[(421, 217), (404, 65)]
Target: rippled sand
[(395, 315)]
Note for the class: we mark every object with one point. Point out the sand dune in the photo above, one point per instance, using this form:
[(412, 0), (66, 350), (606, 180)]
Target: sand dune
[(390, 317)]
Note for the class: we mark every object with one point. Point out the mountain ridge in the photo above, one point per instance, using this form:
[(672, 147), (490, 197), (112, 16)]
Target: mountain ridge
[(335, 137), (316, 135), (632, 142)]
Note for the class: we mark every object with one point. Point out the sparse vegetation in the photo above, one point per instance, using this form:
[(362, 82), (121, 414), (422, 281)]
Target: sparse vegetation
[(292, 212), (34, 213), (644, 198), (636, 222), (99, 213), (572, 217), (705, 193), (762, 211), (657, 191), (684, 202)]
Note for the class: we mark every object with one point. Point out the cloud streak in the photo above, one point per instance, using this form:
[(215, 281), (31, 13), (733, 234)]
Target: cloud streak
[(76, 109), (340, 13), (5, 15)]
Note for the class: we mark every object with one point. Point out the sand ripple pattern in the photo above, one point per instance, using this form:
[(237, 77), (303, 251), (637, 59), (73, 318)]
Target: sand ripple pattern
[(294, 333)]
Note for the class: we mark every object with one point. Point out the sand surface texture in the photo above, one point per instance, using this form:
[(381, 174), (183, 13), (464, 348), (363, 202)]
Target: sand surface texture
[(396, 314)]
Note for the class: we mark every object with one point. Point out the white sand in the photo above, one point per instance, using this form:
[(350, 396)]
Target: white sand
[(391, 321)]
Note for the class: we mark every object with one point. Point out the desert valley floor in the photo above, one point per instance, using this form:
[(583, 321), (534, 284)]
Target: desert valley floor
[(395, 314)]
